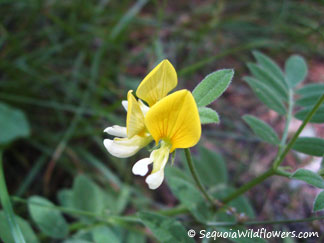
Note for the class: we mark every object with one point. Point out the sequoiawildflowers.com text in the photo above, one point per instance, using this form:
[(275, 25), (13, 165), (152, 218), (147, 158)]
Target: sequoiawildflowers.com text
[(251, 233)]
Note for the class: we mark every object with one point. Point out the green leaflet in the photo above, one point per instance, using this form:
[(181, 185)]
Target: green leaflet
[(13, 124), (266, 95), (295, 70), (208, 115), (309, 177), (310, 145), (49, 220), (262, 129), (212, 86)]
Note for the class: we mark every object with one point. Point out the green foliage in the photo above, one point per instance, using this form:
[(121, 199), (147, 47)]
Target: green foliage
[(69, 76), (87, 196), (190, 197), (24, 225), (266, 95), (165, 229), (13, 124), (295, 70), (211, 168), (212, 86), (48, 219), (319, 202), (317, 118), (208, 115), (104, 234), (309, 177), (274, 84), (262, 129), (310, 145), (271, 67)]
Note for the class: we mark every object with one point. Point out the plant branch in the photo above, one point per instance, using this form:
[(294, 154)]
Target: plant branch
[(249, 185), (196, 178)]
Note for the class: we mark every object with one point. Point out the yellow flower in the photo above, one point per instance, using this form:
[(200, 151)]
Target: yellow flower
[(130, 139), (174, 123)]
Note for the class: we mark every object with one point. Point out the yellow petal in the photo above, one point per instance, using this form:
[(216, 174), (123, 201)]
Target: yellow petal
[(175, 118), (135, 118), (158, 83)]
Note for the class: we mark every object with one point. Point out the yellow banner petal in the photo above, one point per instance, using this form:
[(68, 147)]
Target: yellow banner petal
[(135, 118), (158, 83), (175, 118)]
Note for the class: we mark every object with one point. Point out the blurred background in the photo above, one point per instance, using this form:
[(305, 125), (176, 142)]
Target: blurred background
[(68, 64)]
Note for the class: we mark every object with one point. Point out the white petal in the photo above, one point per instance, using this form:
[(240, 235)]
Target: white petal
[(155, 180), (125, 104), (124, 147), (117, 131), (160, 158), (144, 107), (141, 166)]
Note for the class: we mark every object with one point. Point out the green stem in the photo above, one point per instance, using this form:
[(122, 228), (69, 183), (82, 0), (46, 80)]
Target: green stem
[(249, 185), (309, 116), (6, 205), (284, 221), (196, 178)]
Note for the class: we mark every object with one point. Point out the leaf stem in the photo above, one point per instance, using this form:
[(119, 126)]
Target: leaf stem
[(6, 204), (309, 116), (196, 178)]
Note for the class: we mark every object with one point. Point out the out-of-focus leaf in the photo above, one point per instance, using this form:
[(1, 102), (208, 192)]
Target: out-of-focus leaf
[(212, 86), (319, 202), (310, 145), (318, 117), (262, 129), (13, 124), (165, 229), (189, 196), (87, 195), (27, 231), (311, 89), (295, 70), (49, 220), (208, 115), (65, 198), (269, 80), (211, 168), (103, 234), (122, 199), (134, 237), (268, 64), (266, 95), (308, 100), (309, 177)]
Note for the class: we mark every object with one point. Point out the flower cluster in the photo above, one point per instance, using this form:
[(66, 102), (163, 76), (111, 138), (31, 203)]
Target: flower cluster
[(172, 121)]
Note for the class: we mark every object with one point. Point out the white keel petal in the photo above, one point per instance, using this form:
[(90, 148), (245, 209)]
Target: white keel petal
[(155, 180), (124, 147), (117, 131), (141, 166)]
